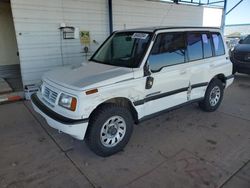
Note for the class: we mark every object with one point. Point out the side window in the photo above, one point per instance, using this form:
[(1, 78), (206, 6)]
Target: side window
[(218, 44), (169, 49), (207, 47), (194, 46)]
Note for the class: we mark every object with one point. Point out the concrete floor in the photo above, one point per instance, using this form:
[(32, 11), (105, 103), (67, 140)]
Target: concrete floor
[(183, 148)]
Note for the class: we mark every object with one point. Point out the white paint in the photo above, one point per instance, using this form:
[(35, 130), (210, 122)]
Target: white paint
[(133, 14), (72, 130), (89, 75), (38, 36), (3, 100), (117, 82), (212, 17), (63, 25)]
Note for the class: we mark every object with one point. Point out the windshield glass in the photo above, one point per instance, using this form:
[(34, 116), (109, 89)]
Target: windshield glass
[(246, 40), (124, 49)]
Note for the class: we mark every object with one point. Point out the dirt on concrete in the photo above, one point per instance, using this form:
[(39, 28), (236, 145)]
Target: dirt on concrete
[(185, 148)]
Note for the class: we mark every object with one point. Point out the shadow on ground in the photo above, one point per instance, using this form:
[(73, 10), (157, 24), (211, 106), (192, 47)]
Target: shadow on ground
[(183, 148)]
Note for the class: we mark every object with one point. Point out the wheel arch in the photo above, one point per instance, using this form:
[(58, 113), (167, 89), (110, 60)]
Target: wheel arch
[(121, 101), (220, 77)]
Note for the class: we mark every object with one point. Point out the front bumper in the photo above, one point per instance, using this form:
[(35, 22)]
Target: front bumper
[(240, 66), (75, 128)]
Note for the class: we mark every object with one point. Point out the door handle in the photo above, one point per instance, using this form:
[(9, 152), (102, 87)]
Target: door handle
[(149, 82)]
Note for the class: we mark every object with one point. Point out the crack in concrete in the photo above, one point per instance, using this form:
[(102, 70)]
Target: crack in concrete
[(234, 174), (233, 115)]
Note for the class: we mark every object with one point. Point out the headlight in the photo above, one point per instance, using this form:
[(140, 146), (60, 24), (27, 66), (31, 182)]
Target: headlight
[(68, 102)]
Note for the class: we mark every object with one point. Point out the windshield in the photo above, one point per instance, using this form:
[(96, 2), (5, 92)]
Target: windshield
[(124, 49), (246, 40)]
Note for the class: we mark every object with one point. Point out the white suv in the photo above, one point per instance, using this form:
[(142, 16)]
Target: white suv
[(134, 75)]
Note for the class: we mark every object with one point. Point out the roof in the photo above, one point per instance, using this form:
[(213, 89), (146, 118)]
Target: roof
[(157, 28)]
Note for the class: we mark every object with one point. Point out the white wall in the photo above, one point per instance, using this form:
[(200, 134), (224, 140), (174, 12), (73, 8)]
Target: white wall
[(38, 36), (212, 17), (8, 45), (140, 13)]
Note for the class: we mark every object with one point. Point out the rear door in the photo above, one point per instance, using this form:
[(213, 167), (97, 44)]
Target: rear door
[(206, 54), (221, 62), (199, 52)]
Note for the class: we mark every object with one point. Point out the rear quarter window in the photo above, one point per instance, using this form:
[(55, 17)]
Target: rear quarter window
[(218, 44)]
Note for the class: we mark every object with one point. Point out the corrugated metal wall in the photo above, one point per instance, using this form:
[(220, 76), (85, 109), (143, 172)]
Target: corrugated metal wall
[(38, 37), (141, 13)]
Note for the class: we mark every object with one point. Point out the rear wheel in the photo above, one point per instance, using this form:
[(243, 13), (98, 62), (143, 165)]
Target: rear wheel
[(213, 96), (109, 130)]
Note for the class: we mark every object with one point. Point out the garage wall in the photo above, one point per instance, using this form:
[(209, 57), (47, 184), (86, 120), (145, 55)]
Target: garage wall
[(130, 14), (38, 36)]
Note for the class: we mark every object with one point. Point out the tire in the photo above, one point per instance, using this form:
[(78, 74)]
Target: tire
[(213, 96), (234, 69), (109, 130)]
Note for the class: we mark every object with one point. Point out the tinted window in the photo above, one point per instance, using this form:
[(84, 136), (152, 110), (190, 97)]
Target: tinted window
[(207, 47), (169, 49), (124, 49), (218, 44), (246, 40), (194, 46)]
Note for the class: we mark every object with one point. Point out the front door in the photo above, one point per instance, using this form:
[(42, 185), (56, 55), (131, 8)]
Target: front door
[(169, 72)]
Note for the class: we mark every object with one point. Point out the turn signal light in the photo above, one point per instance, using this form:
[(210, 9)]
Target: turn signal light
[(73, 104), (92, 91)]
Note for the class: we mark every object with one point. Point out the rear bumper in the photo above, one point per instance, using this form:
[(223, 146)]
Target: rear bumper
[(75, 128)]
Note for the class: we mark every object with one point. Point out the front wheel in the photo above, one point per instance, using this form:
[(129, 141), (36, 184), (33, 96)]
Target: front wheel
[(234, 69), (109, 130), (213, 96)]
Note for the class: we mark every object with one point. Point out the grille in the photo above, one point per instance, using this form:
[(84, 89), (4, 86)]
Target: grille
[(50, 95)]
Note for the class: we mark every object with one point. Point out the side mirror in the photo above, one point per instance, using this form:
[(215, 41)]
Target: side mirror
[(240, 41), (150, 79), (147, 71)]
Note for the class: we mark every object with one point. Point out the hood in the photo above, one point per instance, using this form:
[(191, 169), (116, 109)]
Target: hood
[(88, 75), (242, 48)]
